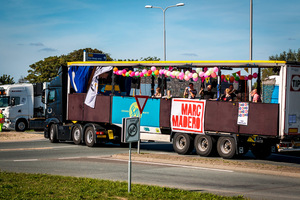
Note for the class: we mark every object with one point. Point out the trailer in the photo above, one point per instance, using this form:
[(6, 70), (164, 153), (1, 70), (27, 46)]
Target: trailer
[(23, 106), (208, 126)]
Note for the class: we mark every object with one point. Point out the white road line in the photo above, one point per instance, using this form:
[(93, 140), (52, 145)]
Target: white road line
[(169, 165), (26, 160), (66, 158)]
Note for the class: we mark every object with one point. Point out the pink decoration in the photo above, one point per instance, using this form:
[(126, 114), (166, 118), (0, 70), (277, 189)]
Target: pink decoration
[(153, 68), (216, 69), (201, 74), (205, 69), (190, 75), (214, 75), (144, 71), (186, 78), (195, 79), (246, 78), (124, 71), (141, 74), (250, 77)]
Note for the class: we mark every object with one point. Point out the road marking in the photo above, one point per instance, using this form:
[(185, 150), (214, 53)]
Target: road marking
[(26, 160), (169, 165), (66, 158), (39, 148)]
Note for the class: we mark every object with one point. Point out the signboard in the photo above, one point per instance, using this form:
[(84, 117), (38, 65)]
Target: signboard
[(295, 83), (130, 130), (187, 115), (127, 107), (243, 113), (95, 57)]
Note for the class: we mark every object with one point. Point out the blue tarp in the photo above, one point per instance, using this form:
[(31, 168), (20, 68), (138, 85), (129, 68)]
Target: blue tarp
[(275, 94), (79, 77)]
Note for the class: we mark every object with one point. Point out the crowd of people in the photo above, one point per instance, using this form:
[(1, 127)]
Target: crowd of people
[(190, 92)]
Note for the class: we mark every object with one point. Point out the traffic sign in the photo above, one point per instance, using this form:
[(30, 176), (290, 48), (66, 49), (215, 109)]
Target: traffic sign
[(130, 129), (141, 102)]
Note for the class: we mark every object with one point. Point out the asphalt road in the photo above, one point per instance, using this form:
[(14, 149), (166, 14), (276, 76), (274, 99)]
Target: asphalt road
[(81, 161)]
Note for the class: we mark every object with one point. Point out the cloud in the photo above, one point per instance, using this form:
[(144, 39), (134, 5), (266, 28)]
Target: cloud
[(37, 44), (48, 50), (189, 54)]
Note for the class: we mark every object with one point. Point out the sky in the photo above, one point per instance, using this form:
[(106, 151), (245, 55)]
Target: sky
[(32, 30)]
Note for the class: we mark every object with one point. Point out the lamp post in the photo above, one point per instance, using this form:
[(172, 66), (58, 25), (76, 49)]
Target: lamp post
[(164, 11), (250, 49)]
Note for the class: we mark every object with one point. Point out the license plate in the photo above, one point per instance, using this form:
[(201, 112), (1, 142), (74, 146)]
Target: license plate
[(110, 134)]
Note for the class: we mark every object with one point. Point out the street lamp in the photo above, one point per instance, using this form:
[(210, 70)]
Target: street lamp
[(164, 10)]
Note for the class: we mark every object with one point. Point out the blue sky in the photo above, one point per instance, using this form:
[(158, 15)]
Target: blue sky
[(32, 30)]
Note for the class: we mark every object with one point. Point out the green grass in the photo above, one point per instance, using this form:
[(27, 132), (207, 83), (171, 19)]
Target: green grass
[(39, 186)]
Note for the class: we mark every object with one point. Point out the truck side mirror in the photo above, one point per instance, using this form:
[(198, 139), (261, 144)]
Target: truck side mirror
[(13, 102), (43, 96)]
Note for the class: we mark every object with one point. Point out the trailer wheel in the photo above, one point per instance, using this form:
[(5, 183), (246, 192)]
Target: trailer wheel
[(53, 133), (89, 136), (21, 125), (261, 152), (76, 134), (183, 143), (204, 145), (226, 147)]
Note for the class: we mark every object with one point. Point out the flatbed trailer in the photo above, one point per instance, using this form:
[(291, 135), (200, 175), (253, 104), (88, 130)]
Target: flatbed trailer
[(209, 126)]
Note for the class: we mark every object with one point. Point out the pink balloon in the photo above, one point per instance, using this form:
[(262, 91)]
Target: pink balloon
[(153, 68), (141, 74), (214, 75), (246, 78), (216, 69), (190, 75), (137, 73), (144, 71), (201, 74), (186, 78), (195, 79), (124, 71), (255, 75)]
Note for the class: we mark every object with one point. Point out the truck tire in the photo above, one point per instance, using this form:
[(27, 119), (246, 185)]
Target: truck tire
[(183, 143), (77, 134), (226, 147), (21, 125), (53, 133), (89, 136), (260, 151), (204, 145)]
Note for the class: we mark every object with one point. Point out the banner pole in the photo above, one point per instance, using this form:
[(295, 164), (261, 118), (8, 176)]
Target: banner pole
[(129, 169)]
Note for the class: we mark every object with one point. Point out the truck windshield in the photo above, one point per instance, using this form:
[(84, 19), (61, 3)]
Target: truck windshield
[(4, 101)]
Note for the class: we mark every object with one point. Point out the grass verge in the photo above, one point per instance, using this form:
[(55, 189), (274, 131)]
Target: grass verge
[(40, 186)]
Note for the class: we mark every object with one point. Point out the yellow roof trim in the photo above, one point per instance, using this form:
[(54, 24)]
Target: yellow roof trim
[(180, 63)]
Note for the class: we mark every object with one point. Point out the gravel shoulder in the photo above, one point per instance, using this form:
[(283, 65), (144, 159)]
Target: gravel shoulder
[(175, 159), (12, 136)]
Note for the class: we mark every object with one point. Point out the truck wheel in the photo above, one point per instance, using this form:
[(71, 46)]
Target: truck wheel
[(89, 137), (204, 145), (76, 134), (183, 143), (261, 152), (226, 147), (21, 125), (53, 133)]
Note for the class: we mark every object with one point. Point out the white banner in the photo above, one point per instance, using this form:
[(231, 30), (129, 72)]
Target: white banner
[(243, 113), (187, 115), (91, 95)]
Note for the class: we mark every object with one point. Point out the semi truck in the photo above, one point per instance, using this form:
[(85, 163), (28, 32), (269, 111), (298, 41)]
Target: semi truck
[(23, 106), (208, 126)]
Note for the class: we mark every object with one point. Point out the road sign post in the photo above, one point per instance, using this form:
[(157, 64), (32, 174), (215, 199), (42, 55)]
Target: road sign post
[(130, 133), (141, 101)]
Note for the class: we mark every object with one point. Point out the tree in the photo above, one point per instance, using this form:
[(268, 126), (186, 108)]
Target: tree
[(6, 79), (45, 70), (284, 56), (149, 58)]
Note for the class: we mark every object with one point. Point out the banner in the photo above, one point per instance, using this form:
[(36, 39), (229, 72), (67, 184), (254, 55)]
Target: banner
[(91, 95), (187, 115), (243, 113)]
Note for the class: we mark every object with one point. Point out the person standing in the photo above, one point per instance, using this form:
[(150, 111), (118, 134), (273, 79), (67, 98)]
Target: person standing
[(207, 95), (1, 120), (256, 97), (190, 92)]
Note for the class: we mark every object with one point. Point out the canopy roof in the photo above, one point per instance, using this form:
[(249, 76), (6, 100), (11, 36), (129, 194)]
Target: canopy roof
[(183, 64)]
